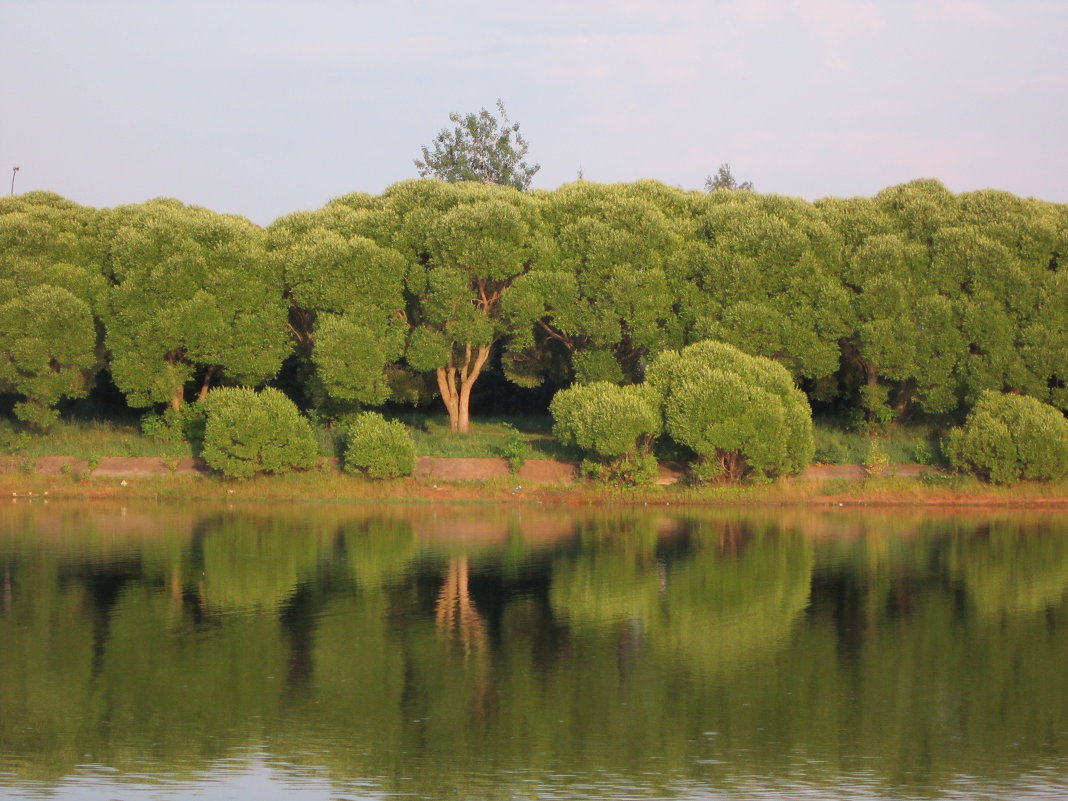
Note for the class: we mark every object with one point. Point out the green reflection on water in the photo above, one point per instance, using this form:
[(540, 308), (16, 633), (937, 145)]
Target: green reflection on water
[(437, 651)]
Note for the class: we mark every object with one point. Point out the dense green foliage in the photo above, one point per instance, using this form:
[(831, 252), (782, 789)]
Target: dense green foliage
[(597, 298), (915, 301), (740, 414), (1011, 437), (247, 432), (605, 419), (50, 290), (192, 296), (613, 426), (345, 294), (378, 447)]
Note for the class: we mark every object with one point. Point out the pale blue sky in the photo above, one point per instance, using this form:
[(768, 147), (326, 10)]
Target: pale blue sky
[(262, 108)]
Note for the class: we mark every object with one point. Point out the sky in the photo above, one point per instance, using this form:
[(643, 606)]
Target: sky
[(273, 106)]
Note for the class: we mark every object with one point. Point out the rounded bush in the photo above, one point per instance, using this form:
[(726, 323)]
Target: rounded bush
[(246, 433), (1007, 438), (613, 425), (379, 448), (603, 418), (740, 414)]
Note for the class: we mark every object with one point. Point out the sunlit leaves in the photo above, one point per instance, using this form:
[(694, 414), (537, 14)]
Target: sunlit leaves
[(192, 290), (50, 290), (738, 413), (1011, 437), (605, 419)]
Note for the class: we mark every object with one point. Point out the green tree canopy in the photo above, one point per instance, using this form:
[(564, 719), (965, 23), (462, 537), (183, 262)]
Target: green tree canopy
[(760, 274), (50, 288), (346, 295), (724, 179), (598, 293), (193, 296)]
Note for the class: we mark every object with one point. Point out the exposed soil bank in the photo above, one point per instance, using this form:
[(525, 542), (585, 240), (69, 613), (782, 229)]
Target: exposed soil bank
[(488, 480)]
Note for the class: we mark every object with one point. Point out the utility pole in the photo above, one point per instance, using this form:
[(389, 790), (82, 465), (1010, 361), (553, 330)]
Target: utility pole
[(14, 170)]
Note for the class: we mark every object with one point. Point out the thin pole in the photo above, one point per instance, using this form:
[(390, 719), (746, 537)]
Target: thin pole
[(14, 170)]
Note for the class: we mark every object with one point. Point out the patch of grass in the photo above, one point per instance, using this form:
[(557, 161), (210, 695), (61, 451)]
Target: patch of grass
[(489, 437), (512, 437), (331, 441), (92, 440), (901, 443)]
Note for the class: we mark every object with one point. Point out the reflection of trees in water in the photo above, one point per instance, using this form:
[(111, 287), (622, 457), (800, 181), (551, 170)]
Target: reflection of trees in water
[(719, 596), (365, 652), (1011, 570), (247, 563)]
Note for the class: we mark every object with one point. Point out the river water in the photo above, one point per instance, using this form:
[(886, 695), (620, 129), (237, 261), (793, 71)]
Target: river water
[(332, 651)]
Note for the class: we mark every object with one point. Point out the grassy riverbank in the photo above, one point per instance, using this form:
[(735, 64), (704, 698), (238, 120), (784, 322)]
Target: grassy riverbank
[(330, 485), (89, 441)]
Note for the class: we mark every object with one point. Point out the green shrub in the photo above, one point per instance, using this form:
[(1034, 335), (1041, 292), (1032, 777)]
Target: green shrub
[(185, 425), (614, 427), (514, 449), (877, 461), (1007, 438), (11, 439), (379, 448), (632, 469), (923, 452), (246, 433), (742, 415), (605, 419)]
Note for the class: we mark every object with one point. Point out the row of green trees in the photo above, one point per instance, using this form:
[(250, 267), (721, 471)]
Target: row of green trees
[(916, 299)]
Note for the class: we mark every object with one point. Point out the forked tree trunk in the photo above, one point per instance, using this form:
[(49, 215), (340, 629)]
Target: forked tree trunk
[(455, 382)]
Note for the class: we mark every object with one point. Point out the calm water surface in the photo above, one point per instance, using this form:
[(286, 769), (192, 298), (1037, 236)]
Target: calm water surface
[(347, 652)]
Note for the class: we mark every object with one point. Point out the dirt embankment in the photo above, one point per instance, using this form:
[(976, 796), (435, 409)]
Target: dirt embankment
[(448, 470)]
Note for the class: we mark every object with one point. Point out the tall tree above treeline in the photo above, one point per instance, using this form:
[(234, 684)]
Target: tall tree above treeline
[(724, 179), (481, 148)]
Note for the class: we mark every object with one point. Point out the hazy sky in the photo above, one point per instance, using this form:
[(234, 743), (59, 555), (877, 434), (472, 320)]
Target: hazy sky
[(262, 108)]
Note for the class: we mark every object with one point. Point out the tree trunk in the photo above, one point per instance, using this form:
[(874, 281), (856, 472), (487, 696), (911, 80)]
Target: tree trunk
[(206, 385), (178, 398), (449, 395), (455, 382), (903, 401)]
